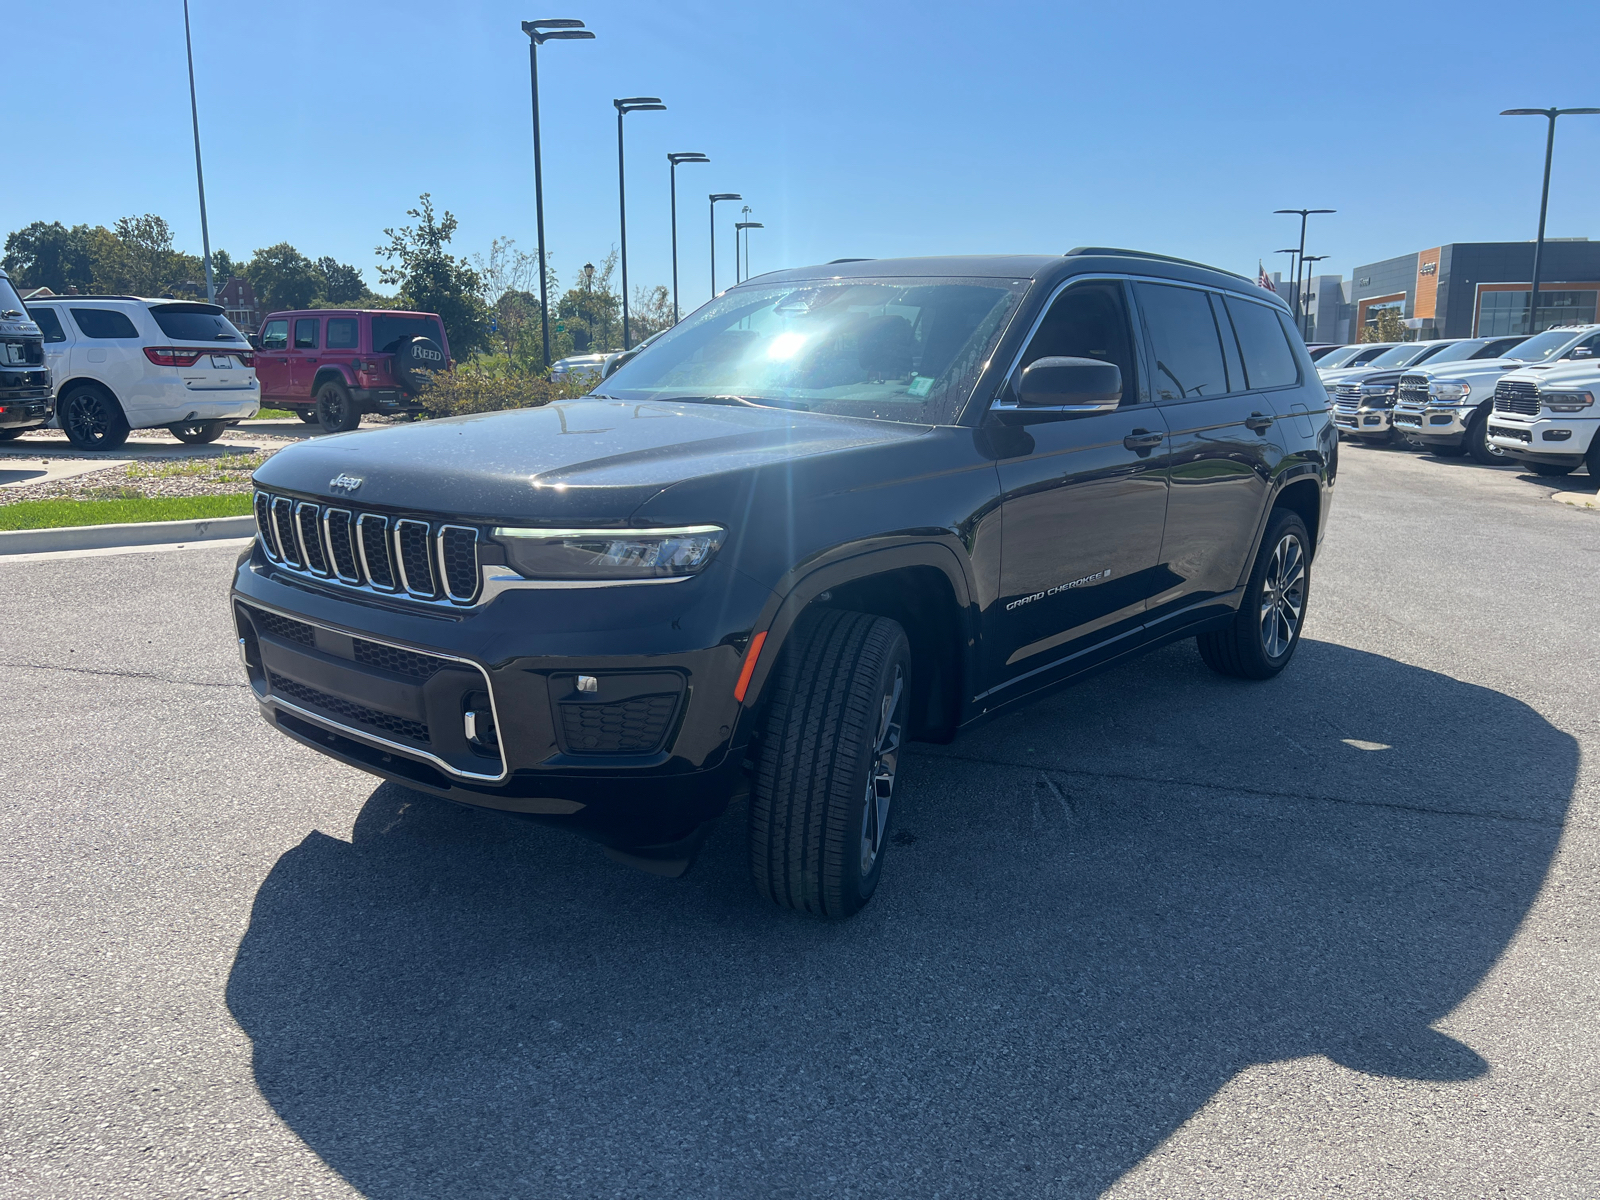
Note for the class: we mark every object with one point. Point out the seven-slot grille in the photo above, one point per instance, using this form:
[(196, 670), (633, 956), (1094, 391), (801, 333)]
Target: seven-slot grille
[(429, 560), (1516, 396), (1413, 390)]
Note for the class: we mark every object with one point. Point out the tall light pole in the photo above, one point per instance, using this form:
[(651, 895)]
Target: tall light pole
[(745, 227), (1306, 320), (715, 196), (1301, 253), (1294, 269), (675, 159), (624, 107), (540, 32), (1544, 196), (200, 176)]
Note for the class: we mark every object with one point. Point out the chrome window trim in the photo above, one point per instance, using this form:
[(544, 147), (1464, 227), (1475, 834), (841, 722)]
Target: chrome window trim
[(361, 547), (356, 554), (357, 734), (300, 536), (400, 558), (444, 574)]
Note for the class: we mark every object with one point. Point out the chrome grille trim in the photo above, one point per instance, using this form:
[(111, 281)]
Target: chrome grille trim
[(444, 563), (312, 551), (283, 524), (1412, 389), (401, 528), (262, 505), (348, 535), (1516, 396), (381, 524)]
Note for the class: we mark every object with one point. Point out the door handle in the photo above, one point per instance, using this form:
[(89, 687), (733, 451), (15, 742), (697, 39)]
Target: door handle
[(1257, 421), (1142, 439)]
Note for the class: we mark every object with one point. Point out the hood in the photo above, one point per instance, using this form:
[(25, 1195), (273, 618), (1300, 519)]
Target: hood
[(590, 460), (1491, 368), (1366, 375), (1558, 374)]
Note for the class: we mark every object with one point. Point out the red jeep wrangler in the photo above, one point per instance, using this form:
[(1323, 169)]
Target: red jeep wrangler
[(333, 364)]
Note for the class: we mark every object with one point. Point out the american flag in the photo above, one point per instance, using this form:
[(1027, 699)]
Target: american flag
[(1262, 280)]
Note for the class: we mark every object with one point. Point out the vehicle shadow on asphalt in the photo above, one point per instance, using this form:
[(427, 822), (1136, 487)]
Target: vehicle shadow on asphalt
[(1096, 913)]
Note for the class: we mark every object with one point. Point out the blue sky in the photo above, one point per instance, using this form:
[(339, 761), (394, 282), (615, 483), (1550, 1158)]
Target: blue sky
[(877, 129)]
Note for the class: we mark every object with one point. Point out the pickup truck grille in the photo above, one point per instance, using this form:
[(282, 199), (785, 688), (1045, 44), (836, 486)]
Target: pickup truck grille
[(1515, 396), (1413, 390), (413, 556), (1347, 397)]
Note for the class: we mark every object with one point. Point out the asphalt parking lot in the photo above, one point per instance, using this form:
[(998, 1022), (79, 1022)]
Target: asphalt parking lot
[(1161, 935)]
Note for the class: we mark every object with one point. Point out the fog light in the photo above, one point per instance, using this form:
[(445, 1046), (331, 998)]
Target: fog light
[(479, 727), (588, 683), (1557, 435)]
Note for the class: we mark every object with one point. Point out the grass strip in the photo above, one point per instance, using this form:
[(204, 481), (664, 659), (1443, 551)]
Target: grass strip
[(276, 414), (57, 514)]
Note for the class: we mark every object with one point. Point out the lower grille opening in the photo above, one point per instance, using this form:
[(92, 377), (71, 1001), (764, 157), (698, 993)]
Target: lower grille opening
[(630, 727), (401, 662), (347, 710), (286, 628)]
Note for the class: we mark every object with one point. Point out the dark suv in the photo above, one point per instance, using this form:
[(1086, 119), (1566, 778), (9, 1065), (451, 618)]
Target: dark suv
[(333, 364), (24, 376), (836, 508)]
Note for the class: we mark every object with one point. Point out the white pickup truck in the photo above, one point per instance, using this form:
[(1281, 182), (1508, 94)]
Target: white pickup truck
[(1447, 407), (1548, 419)]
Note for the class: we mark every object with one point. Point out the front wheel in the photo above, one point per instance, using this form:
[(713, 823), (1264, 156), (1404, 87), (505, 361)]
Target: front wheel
[(1478, 444), (91, 419), (335, 409), (825, 772), (1263, 636), (197, 433)]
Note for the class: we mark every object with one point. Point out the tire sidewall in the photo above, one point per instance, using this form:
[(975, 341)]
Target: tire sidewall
[(1283, 523), (336, 409), (861, 886)]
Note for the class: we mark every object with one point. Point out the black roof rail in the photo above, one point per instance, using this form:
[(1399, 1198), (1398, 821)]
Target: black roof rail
[(1115, 252), (96, 296), (832, 261)]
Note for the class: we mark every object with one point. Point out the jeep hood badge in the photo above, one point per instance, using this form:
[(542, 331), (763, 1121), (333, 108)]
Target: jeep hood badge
[(344, 483)]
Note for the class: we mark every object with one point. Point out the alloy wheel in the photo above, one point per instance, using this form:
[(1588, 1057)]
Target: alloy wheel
[(880, 778), (1283, 596), (86, 418)]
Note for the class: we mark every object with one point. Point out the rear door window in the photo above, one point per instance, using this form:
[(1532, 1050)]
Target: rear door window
[(342, 333), (305, 333), (49, 324), (104, 323), (275, 335), (1184, 337), (1268, 358)]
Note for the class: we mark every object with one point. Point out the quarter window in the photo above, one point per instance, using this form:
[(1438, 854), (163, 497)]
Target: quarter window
[(341, 333), (1268, 358), (104, 323), (275, 335), (305, 333), (49, 324), (1184, 337)]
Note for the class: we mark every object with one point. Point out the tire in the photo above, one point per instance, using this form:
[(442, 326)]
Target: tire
[(1591, 460), (416, 359), (10, 435), (1456, 451), (198, 433), (1264, 634), (335, 409), (1477, 441), (91, 418), (308, 415), (825, 771), (1551, 469)]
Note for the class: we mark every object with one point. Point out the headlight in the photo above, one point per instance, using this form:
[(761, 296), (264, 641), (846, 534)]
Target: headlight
[(609, 553), (1449, 391), (1377, 389), (1569, 402)]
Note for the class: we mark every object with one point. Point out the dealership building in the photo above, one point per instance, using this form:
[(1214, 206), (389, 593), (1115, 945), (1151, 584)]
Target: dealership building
[(1477, 289)]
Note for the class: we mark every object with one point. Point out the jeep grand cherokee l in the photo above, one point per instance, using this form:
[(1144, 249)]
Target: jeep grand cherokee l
[(834, 509)]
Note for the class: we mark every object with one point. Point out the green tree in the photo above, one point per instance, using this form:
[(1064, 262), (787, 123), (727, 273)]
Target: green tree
[(144, 264), (283, 278), (222, 267), (341, 283), (592, 311), (1387, 326), (650, 311), (48, 254), (432, 280)]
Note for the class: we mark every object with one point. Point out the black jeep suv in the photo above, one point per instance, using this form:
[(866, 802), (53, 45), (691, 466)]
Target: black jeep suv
[(836, 508)]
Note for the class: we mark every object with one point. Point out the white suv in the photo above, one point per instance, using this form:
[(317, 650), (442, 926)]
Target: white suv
[(1548, 420), (121, 363)]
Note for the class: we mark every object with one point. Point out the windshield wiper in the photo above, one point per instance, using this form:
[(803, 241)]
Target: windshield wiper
[(743, 401)]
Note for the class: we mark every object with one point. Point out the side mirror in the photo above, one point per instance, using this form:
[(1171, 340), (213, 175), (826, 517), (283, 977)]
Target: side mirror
[(1582, 352), (1084, 385), (254, 339)]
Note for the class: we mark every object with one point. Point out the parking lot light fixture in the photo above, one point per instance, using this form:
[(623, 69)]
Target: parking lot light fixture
[(745, 227), (1292, 253), (1306, 264), (715, 196), (540, 32), (675, 160), (1544, 196), (625, 106), (1300, 253), (199, 175)]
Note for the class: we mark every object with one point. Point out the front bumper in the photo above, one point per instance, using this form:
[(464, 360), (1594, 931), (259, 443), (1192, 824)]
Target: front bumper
[(1362, 422), (1554, 439), (652, 754), (1438, 424)]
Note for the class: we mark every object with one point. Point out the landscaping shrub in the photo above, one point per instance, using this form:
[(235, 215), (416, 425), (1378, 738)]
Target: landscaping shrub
[(488, 388)]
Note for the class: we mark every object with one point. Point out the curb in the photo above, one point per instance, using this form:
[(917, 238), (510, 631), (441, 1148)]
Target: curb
[(142, 533), (1577, 499)]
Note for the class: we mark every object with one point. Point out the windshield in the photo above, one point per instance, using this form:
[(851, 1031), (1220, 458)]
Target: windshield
[(1543, 347), (1337, 358), (195, 323), (1460, 352), (894, 349), (10, 302), (1402, 355)]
